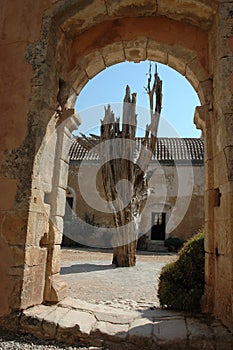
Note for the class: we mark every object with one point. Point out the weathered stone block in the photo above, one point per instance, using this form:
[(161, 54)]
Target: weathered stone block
[(170, 330), (37, 203), (57, 230), (141, 331), (223, 336), (66, 142), (227, 134), (177, 64), (63, 168), (195, 73), (223, 295), (93, 64), (205, 92), (222, 85), (198, 331), (33, 286), (135, 50), (38, 228), (35, 256), (82, 322), (57, 201), (157, 52), (223, 239), (84, 15), (220, 169), (113, 54), (228, 152), (43, 75), (209, 237), (14, 286), (111, 330), (55, 259), (31, 319), (131, 8), (208, 137), (225, 18), (110, 315), (224, 269), (55, 288), (78, 78), (62, 54), (208, 175), (192, 11), (52, 319), (207, 300)]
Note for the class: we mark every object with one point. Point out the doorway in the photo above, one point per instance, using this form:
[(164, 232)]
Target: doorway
[(158, 226)]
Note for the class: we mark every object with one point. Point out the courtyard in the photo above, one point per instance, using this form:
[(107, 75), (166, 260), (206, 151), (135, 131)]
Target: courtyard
[(117, 308), (91, 277)]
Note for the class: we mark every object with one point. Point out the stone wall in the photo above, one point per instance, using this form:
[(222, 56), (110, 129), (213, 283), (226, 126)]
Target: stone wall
[(179, 192), (49, 50), (176, 190), (219, 165)]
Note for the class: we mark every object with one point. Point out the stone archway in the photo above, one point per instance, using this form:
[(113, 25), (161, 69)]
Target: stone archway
[(134, 48), (76, 42)]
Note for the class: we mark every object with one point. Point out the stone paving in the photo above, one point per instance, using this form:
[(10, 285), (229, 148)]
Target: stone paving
[(79, 323)]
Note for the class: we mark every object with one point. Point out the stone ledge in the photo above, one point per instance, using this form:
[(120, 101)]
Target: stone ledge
[(75, 321)]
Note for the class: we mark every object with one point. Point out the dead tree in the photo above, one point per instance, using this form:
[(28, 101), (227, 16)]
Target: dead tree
[(124, 169)]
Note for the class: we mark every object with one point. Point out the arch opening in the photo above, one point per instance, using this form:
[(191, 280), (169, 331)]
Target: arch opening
[(190, 61), (168, 211)]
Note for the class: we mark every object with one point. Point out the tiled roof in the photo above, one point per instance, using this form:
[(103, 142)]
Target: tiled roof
[(166, 149)]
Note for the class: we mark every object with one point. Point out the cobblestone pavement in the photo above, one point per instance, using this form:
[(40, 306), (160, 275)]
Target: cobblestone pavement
[(91, 277)]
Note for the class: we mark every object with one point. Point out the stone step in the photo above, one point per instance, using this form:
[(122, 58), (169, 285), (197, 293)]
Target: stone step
[(76, 322), (156, 246)]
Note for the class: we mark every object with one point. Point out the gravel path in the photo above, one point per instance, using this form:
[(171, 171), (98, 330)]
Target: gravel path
[(91, 277), (11, 341)]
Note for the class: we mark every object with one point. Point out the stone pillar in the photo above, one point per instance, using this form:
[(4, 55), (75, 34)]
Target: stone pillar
[(12, 242), (55, 289), (15, 159), (202, 119), (219, 204)]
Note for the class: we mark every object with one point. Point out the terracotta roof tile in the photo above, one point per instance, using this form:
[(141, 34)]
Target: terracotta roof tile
[(166, 149)]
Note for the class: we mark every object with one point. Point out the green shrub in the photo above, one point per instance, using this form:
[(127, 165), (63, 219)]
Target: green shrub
[(181, 283), (174, 243), (142, 242)]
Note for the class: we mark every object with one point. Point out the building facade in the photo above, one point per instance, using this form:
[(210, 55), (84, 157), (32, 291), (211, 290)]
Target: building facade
[(175, 205)]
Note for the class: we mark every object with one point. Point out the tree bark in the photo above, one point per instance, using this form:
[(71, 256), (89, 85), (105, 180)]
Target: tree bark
[(127, 202)]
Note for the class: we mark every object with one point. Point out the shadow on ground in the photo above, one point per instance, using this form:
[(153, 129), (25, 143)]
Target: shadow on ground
[(82, 268)]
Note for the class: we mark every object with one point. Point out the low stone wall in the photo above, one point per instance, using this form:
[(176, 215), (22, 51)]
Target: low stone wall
[(79, 323)]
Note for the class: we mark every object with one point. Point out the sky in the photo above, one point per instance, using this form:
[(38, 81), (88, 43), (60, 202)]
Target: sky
[(108, 87)]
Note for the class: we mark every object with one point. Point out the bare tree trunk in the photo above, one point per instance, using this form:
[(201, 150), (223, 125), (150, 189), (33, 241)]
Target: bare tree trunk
[(119, 166)]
